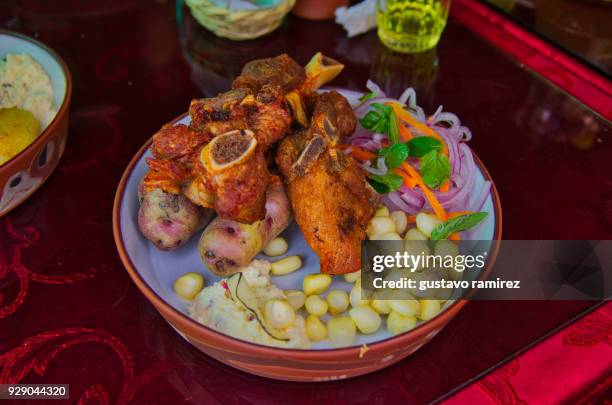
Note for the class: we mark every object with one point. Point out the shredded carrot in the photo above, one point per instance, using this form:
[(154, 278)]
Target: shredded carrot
[(362, 154), (454, 236), (411, 219), (409, 181), (445, 186), (431, 198), (405, 133), (433, 201), (408, 118), (458, 214), (411, 178), (412, 172)]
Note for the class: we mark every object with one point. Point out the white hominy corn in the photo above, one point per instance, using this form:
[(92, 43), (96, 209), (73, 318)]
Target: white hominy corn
[(366, 319), (396, 274), (189, 285), (426, 223), (447, 248), (382, 212), (315, 329), (398, 323), (454, 274), (286, 265), (414, 234), (405, 307), (427, 275), (277, 247), (315, 305), (380, 226), (380, 306), (388, 236), (316, 283), (355, 297), (352, 277), (279, 314), (295, 298), (338, 301), (429, 309), (341, 331), (401, 221), (416, 248)]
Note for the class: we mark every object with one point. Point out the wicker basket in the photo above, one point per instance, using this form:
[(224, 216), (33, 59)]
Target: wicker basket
[(239, 24)]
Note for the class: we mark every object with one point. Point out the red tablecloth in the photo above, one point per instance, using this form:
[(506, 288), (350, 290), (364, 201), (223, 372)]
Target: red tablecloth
[(572, 366), (70, 314)]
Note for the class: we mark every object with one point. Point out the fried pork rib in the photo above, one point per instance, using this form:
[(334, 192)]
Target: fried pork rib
[(327, 190), (281, 71), (235, 165), (174, 148), (237, 191), (265, 113), (265, 99)]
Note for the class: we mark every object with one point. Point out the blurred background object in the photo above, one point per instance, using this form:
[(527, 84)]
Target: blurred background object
[(581, 27), (506, 5), (8, 17), (216, 61), (317, 9), (394, 72), (239, 19), (574, 128), (411, 26), (357, 19)]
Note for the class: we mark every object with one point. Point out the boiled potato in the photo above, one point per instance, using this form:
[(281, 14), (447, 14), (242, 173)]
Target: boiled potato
[(18, 129)]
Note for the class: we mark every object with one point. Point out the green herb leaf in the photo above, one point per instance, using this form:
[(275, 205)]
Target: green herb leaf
[(393, 128), (394, 154), (457, 224), (367, 96), (422, 145), (377, 119), (381, 119), (435, 168), (385, 184)]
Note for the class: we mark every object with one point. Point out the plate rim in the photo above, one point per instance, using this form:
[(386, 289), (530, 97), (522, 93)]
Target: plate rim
[(210, 335)]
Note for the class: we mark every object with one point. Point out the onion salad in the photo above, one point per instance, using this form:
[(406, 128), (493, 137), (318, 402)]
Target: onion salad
[(418, 163)]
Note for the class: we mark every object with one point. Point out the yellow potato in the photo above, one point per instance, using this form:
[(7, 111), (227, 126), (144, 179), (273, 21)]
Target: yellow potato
[(18, 128)]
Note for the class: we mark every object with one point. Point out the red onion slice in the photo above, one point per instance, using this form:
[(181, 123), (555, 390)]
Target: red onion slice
[(460, 196)]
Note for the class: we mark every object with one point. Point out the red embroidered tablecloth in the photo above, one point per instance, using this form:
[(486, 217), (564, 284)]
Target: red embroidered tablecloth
[(70, 314)]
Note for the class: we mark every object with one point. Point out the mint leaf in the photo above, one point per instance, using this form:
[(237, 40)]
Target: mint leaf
[(457, 224), (394, 155), (385, 184), (422, 145), (367, 96), (435, 168), (380, 188), (377, 119), (381, 119)]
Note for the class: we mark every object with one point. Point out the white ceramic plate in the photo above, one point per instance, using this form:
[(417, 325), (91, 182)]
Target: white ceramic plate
[(160, 269)]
